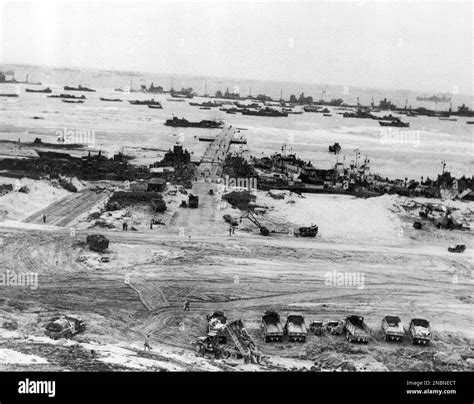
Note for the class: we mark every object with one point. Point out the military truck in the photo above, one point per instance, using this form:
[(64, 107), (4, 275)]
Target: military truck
[(271, 327), (238, 344), (97, 242), (316, 327), (64, 327), (335, 327), (193, 201), (356, 329), (295, 328), (419, 331), (392, 328)]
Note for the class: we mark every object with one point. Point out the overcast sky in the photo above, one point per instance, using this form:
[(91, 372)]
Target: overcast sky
[(408, 45)]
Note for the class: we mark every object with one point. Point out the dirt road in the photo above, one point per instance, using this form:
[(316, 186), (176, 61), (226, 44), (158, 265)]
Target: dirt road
[(66, 210)]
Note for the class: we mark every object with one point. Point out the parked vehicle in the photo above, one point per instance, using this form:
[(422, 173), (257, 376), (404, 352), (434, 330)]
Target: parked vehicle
[(316, 327), (193, 201), (356, 329), (419, 331), (271, 327), (216, 322), (64, 327), (335, 327), (457, 249), (295, 328), (392, 328)]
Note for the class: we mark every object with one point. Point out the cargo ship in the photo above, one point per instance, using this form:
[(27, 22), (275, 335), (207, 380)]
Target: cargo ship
[(184, 123), (434, 98), (78, 88)]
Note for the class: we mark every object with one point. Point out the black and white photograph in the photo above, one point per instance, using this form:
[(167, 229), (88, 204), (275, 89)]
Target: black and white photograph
[(237, 187)]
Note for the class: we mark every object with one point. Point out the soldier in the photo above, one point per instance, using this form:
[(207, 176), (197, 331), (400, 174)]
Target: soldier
[(146, 345), (186, 305), (44, 218), (230, 230)]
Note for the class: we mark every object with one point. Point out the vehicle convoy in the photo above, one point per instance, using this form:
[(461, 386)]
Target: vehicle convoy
[(356, 329), (419, 331), (271, 327), (230, 341), (295, 328), (392, 328), (64, 327)]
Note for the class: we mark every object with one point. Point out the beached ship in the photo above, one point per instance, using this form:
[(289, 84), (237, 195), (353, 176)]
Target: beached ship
[(264, 112), (184, 123)]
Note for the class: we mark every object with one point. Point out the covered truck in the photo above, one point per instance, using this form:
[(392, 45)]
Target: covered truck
[(419, 331), (295, 328), (64, 327), (392, 328), (356, 329), (271, 327), (193, 201)]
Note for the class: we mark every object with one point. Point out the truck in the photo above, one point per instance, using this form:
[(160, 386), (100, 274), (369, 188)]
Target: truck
[(356, 329), (419, 331), (335, 327), (271, 327), (64, 327), (238, 344), (392, 328), (216, 322), (193, 201), (295, 328), (316, 327)]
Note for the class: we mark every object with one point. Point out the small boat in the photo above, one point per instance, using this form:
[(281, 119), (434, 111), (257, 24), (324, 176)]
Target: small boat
[(8, 95), (73, 101), (155, 106), (204, 107), (47, 90), (175, 99), (327, 114), (111, 99), (397, 124), (68, 96), (470, 122), (145, 102), (448, 119)]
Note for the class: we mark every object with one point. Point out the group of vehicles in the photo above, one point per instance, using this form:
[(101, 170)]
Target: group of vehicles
[(353, 327)]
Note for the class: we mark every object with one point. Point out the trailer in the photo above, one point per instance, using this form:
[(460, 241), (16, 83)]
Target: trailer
[(419, 331), (392, 328), (295, 328), (271, 327), (356, 329)]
